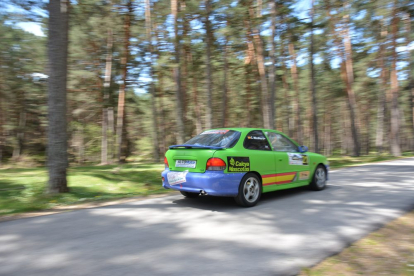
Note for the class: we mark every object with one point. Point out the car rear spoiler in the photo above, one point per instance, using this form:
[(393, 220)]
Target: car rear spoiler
[(195, 147)]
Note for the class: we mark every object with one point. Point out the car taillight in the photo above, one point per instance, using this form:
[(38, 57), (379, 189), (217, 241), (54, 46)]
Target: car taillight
[(166, 162), (215, 164)]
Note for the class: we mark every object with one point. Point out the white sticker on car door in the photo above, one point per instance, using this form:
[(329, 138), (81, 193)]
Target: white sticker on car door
[(298, 159)]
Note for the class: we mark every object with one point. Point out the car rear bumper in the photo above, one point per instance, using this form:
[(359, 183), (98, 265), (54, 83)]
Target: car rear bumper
[(215, 183)]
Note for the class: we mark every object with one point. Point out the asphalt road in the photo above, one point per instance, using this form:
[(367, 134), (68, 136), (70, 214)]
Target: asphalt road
[(286, 231)]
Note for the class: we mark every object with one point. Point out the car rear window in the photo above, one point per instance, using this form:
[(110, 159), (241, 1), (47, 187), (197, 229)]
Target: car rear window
[(215, 138)]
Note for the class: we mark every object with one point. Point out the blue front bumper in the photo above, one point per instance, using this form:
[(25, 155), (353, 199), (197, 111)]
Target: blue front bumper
[(215, 183)]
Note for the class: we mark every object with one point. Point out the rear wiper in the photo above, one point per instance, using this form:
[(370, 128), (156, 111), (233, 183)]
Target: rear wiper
[(195, 147)]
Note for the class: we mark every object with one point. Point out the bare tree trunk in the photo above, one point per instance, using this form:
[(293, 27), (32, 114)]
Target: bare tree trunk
[(224, 102), (209, 34), (288, 120), (367, 127), (1, 123), (262, 72), (57, 131), (349, 83), (17, 150), (151, 85), (328, 128), (248, 96), (120, 123), (411, 79), (249, 61), (272, 77), (395, 120), (162, 143), (296, 106), (81, 137), (379, 141), (313, 87), (105, 111), (177, 75)]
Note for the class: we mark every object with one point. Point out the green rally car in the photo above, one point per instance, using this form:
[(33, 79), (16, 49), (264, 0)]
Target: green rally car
[(242, 163)]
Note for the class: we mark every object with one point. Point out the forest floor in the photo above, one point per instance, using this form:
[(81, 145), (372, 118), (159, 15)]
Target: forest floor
[(388, 251), (23, 189)]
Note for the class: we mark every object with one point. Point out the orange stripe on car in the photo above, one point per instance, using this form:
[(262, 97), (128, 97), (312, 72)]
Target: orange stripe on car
[(279, 178)]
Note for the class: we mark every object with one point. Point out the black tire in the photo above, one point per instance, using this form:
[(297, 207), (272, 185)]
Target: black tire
[(189, 195), (249, 195), (318, 182)]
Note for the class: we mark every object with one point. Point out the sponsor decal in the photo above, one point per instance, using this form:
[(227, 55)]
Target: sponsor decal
[(217, 131), (177, 177), (304, 175), (256, 138), (278, 178), (238, 164), (298, 159)]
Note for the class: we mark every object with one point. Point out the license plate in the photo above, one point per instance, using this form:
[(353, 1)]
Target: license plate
[(185, 163), (177, 177)]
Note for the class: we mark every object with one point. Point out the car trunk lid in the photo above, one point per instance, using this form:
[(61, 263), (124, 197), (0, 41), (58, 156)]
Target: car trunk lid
[(187, 158)]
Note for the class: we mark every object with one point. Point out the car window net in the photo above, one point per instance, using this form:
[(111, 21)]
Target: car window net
[(215, 138)]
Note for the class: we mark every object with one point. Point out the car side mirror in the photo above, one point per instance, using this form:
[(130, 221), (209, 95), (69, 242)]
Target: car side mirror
[(303, 149)]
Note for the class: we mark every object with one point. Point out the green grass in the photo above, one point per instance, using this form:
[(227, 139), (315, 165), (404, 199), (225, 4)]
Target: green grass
[(336, 162), (23, 189)]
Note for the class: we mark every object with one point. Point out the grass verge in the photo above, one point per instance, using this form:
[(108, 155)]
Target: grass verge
[(23, 189), (388, 251), (336, 162)]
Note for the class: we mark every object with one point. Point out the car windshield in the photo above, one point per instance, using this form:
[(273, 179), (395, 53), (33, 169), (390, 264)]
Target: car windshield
[(223, 138)]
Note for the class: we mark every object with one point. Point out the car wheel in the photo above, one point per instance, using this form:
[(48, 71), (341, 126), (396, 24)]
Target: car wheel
[(319, 179), (189, 195), (250, 190)]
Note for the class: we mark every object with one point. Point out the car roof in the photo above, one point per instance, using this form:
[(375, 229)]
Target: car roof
[(246, 129)]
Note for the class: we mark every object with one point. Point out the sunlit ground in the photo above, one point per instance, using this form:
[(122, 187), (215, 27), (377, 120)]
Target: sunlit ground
[(388, 251)]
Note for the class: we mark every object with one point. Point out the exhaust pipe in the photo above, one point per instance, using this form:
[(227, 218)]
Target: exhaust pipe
[(202, 192)]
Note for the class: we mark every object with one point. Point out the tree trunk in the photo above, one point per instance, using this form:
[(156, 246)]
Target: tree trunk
[(120, 122), (272, 75), (151, 85), (395, 120), (288, 120), (262, 72), (296, 105), (411, 80), (313, 87), (209, 34), (57, 132), (224, 113), (379, 140), (17, 150), (328, 128), (162, 144), (105, 112), (349, 83), (177, 75)]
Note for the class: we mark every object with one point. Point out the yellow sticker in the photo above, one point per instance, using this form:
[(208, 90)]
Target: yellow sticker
[(304, 175)]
